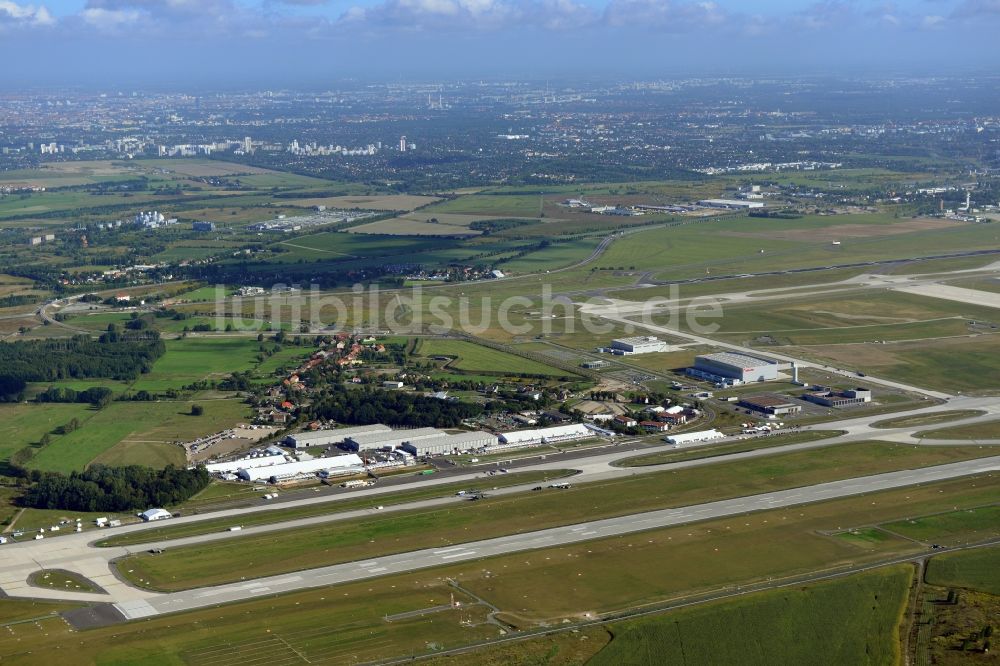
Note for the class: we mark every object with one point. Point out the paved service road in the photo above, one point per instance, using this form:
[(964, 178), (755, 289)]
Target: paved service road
[(431, 557)]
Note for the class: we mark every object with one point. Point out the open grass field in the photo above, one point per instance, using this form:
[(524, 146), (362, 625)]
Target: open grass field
[(850, 621), (967, 364), (490, 205), (952, 527), (928, 419), (709, 451), (419, 224), (135, 432), (195, 358), (983, 430), (475, 358), (56, 579), (24, 424), (861, 317), (362, 501), (977, 569), (19, 610), (342, 541)]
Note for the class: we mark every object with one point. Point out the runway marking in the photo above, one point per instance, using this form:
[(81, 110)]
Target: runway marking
[(454, 555), (377, 570)]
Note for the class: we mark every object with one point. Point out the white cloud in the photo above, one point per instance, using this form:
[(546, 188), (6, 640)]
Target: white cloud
[(664, 15), (454, 15), (12, 13), (110, 19)]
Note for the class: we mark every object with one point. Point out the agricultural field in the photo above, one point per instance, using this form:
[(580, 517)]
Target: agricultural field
[(193, 359), (490, 205), (279, 552), (421, 224), (977, 569), (849, 621)]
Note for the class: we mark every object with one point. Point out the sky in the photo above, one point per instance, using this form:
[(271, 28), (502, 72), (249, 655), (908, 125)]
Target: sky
[(186, 43)]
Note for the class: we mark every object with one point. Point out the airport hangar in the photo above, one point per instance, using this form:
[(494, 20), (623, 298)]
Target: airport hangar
[(734, 368)]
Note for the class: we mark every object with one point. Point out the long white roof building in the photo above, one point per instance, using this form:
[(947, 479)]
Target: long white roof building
[(327, 437), (302, 467), (553, 434)]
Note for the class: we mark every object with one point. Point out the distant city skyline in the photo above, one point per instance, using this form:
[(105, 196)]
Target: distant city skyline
[(177, 42)]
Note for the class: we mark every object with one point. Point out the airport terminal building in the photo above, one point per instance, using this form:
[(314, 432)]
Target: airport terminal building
[(734, 368)]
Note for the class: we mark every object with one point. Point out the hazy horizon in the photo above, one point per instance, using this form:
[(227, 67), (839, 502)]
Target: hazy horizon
[(182, 43)]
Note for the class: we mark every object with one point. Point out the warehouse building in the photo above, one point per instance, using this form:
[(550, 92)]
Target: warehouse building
[(232, 466), (829, 398), (446, 444), (390, 439), (301, 440), (341, 464), (643, 344), (694, 437), (734, 368), (731, 204), (563, 433), (771, 404)]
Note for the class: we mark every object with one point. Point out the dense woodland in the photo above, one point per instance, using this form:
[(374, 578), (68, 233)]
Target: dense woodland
[(101, 488), (113, 356), (364, 406)]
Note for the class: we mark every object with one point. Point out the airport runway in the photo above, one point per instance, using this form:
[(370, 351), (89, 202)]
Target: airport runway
[(558, 536)]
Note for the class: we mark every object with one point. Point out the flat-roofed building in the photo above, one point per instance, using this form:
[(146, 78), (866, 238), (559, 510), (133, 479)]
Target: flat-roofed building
[(770, 403), (301, 440), (831, 398), (734, 368), (561, 433), (390, 439), (643, 344), (445, 444)]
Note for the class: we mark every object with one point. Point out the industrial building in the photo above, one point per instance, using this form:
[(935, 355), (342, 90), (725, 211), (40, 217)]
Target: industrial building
[(595, 365), (770, 403), (563, 433), (830, 398), (390, 439), (231, 466), (643, 344), (731, 204), (344, 464), (302, 440), (694, 437), (445, 444), (734, 368)]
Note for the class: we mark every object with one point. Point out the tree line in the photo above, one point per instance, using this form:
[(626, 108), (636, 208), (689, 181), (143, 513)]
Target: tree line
[(113, 489), (114, 356), (365, 406)]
